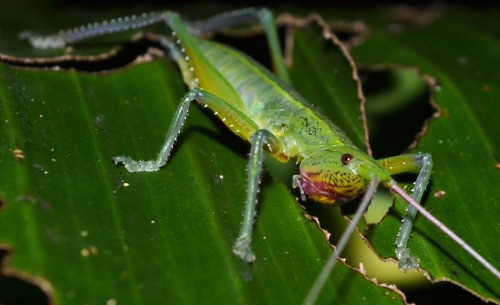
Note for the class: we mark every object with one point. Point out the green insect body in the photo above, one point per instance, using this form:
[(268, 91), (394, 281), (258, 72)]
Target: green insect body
[(273, 105), (266, 111), (254, 101)]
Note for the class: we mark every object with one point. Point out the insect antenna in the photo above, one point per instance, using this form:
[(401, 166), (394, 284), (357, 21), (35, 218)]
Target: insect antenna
[(316, 288), (445, 229)]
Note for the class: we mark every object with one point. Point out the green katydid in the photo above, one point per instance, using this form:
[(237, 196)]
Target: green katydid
[(266, 111)]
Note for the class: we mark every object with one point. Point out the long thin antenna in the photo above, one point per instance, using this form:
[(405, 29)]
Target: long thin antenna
[(316, 288), (446, 230)]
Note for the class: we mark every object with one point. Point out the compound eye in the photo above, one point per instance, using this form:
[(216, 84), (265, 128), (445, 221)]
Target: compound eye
[(346, 158)]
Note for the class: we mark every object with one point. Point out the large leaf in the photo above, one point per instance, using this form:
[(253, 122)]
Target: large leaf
[(89, 232), (95, 233)]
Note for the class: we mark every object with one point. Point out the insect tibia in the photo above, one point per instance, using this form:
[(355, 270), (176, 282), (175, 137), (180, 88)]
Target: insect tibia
[(224, 20), (70, 36)]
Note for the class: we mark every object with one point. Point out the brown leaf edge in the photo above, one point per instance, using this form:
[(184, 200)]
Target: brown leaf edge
[(6, 253)]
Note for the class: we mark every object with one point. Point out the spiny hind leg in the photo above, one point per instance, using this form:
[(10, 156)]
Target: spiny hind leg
[(421, 162), (245, 16), (68, 37), (228, 19), (231, 116)]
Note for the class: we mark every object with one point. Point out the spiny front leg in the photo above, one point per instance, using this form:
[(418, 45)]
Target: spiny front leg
[(242, 247), (401, 164)]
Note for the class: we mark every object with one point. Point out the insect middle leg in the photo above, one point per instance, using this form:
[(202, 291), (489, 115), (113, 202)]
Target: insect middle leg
[(234, 118), (260, 139), (241, 124), (421, 162)]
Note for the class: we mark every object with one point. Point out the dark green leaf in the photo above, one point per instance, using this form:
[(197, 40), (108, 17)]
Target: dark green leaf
[(90, 233)]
